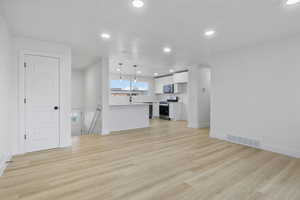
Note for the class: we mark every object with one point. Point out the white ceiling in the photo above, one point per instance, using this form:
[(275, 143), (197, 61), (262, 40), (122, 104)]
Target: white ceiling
[(138, 35)]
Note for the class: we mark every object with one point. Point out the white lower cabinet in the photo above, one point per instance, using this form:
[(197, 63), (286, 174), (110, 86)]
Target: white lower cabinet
[(175, 111), (155, 109)]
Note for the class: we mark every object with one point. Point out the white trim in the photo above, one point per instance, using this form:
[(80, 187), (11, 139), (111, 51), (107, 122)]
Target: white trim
[(204, 125), (3, 163), (213, 135), (122, 129), (284, 151), (105, 132), (192, 125), (265, 147), (199, 125), (22, 54)]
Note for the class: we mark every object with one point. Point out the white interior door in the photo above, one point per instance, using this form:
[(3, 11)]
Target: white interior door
[(42, 103)]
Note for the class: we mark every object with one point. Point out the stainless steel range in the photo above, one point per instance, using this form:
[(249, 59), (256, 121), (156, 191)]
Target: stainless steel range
[(164, 110)]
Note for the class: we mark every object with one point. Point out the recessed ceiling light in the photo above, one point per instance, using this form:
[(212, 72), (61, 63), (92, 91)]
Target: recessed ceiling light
[(137, 3), (292, 2), (105, 36), (139, 72), (171, 70), (209, 33), (155, 74), (118, 69), (167, 49)]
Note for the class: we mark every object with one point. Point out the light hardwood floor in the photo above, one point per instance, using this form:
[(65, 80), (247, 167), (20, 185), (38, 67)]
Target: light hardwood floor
[(165, 162)]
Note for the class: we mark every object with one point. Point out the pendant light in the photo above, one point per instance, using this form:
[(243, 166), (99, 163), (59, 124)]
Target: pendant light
[(135, 78), (120, 70)]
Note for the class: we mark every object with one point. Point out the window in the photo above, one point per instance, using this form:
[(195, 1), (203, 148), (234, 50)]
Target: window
[(121, 87), (140, 86)]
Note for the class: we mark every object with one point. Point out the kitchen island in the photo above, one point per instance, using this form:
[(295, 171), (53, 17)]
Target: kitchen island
[(129, 116)]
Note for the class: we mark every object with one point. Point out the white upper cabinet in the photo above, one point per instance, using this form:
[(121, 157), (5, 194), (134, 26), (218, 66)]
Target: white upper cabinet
[(178, 88), (158, 86), (181, 77), (167, 80), (160, 82)]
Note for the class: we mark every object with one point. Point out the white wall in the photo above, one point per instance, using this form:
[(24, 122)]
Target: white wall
[(92, 93), (78, 89), (77, 100), (199, 97), (8, 103), (53, 49), (255, 94), (96, 92), (105, 90), (92, 86)]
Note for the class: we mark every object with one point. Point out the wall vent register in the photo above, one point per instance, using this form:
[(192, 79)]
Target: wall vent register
[(244, 141)]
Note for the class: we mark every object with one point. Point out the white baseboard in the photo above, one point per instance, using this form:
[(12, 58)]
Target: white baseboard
[(66, 144), (212, 135), (267, 147), (199, 125), (204, 125), (132, 128), (105, 132), (3, 162), (284, 151)]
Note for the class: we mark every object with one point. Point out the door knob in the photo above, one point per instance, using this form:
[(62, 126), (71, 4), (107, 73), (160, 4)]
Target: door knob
[(55, 107)]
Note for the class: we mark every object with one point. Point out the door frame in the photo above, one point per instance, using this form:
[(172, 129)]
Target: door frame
[(22, 130)]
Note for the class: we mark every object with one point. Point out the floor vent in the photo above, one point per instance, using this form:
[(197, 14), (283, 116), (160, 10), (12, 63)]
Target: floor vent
[(244, 141)]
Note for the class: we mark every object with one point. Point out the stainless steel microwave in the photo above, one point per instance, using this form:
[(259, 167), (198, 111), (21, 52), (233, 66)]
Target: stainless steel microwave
[(168, 89)]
